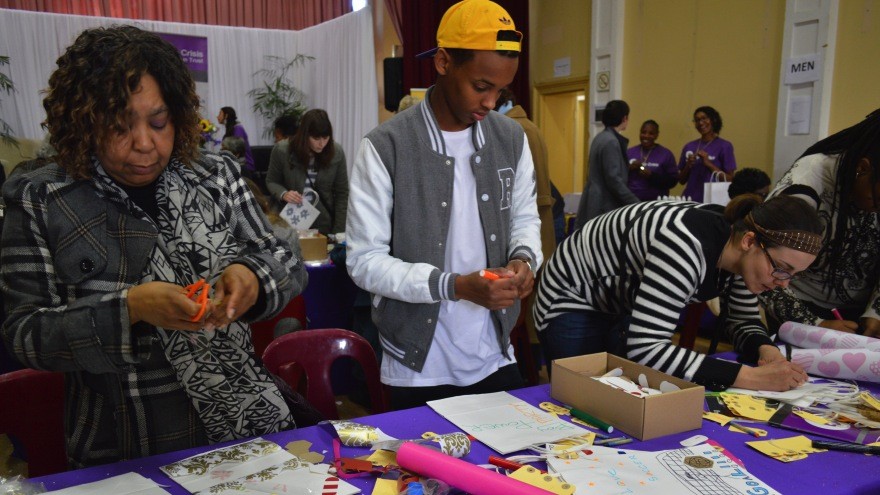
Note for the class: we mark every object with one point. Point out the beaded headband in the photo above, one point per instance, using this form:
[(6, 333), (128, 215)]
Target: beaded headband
[(798, 240)]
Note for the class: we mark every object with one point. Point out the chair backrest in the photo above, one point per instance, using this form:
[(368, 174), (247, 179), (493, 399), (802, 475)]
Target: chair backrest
[(32, 412), (315, 351), (262, 332)]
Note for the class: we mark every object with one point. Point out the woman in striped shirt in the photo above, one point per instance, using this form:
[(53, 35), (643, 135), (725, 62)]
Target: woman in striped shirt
[(620, 282)]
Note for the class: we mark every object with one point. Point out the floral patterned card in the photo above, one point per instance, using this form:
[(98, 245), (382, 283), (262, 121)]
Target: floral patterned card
[(124, 484), (294, 477), (226, 464)]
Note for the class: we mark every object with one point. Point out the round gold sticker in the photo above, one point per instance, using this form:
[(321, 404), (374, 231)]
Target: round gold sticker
[(699, 462)]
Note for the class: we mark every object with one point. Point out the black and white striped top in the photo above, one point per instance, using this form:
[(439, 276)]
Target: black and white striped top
[(650, 260)]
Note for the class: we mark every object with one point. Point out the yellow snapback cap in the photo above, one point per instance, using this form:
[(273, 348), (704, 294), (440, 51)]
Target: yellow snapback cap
[(475, 25)]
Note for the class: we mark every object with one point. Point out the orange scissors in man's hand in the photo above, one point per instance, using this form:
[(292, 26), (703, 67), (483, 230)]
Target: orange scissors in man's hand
[(198, 292)]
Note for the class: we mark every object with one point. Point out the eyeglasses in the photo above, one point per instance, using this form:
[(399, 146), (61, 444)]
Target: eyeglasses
[(702, 119), (778, 273)]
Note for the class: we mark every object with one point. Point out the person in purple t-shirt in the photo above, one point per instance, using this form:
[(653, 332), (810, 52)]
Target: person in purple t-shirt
[(228, 118), (709, 154), (652, 167)]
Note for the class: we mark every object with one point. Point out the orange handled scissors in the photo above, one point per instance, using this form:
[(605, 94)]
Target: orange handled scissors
[(198, 292)]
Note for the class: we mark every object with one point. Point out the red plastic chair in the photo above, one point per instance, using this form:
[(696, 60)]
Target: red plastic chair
[(32, 411), (262, 332), (313, 352)]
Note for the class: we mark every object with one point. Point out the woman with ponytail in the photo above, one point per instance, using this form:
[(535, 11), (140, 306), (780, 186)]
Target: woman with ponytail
[(228, 118), (620, 283), (840, 177)]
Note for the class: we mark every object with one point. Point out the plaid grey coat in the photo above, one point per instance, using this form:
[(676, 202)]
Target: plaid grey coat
[(70, 252)]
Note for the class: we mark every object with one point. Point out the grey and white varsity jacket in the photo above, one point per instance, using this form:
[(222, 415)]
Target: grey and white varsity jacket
[(398, 218)]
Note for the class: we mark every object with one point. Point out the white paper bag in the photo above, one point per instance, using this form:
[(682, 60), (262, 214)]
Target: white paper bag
[(715, 191), (300, 216)]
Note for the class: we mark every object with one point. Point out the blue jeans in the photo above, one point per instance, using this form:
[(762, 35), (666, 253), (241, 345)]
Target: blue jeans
[(583, 332)]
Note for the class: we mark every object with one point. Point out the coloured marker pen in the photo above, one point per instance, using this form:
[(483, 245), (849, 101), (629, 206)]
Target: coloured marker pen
[(598, 423), (836, 313), (489, 275), (846, 447)]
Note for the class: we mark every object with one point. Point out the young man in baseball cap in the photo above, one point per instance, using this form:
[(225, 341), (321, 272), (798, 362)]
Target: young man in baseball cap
[(443, 227)]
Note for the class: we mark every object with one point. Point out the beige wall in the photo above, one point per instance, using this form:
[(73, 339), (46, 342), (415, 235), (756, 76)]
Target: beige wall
[(559, 28), (856, 84), (681, 54), (384, 39)]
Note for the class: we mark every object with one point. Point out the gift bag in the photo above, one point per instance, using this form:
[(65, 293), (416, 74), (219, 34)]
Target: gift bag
[(715, 191)]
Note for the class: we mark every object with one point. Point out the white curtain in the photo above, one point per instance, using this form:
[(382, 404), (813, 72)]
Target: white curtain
[(341, 79)]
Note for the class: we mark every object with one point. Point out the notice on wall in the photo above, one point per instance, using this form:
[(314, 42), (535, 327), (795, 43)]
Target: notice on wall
[(806, 68), (799, 109), (562, 67)]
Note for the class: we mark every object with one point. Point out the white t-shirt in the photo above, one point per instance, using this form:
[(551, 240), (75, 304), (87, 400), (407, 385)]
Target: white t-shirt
[(465, 347)]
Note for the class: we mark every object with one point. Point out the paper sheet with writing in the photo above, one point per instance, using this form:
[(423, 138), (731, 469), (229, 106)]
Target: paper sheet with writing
[(124, 484), (699, 469), (503, 422)]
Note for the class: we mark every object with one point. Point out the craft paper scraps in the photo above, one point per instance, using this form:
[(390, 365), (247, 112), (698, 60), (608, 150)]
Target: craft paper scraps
[(503, 422), (300, 448), (785, 449), (383, 458), (294, 477), (455, 444), (748, 407), (124, 484), (531, 476), (698, 469), (353, 434), (218, 466), (719, 418)]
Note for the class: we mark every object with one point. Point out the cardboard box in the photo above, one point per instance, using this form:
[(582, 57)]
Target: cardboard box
[(644, 418), (314, 248)]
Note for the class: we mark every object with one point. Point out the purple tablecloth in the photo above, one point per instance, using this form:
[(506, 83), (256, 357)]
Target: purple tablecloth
[(825, 473)]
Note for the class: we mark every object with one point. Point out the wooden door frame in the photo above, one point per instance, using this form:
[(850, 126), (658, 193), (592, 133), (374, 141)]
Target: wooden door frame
[(563, 85)]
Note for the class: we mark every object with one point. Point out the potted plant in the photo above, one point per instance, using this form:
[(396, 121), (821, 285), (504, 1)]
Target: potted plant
[(277, 95), (7, 86)]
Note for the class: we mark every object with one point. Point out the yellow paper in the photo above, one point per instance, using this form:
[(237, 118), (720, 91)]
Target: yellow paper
[(811, 417), (761, 433), (383, 458), (563, 445), (869, 400), (785, 449), (719, 418), (748, 406), (530, 475), (554, 409), (385, 487)]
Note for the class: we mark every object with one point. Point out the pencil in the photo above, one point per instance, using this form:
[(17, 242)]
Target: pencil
[(745, 429)]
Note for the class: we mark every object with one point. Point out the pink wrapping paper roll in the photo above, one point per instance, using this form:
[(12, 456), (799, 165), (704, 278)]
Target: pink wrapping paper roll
[(461, 474), (810, 337), (847, 364)]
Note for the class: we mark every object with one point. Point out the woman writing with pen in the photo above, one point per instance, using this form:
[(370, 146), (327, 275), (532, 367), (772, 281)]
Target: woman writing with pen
[(621, 281), (840, 177)]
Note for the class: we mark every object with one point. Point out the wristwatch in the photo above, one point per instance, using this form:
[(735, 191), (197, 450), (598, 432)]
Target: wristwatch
[(527, 260)]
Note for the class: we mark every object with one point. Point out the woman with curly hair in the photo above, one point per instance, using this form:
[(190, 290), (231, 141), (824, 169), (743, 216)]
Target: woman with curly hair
[(840, 177), (311, 165), (229, 118), (703, 157), (99, 247)]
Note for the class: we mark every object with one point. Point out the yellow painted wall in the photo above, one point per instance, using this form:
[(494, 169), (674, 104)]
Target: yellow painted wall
[(559, 28), (856, 84), (681, 54), (384, 39)]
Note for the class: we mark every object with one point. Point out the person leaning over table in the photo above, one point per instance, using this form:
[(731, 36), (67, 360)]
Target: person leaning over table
[(703, 157), (840, 177), (312, 161), (440, 192), (620, 283), (98, 247)]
